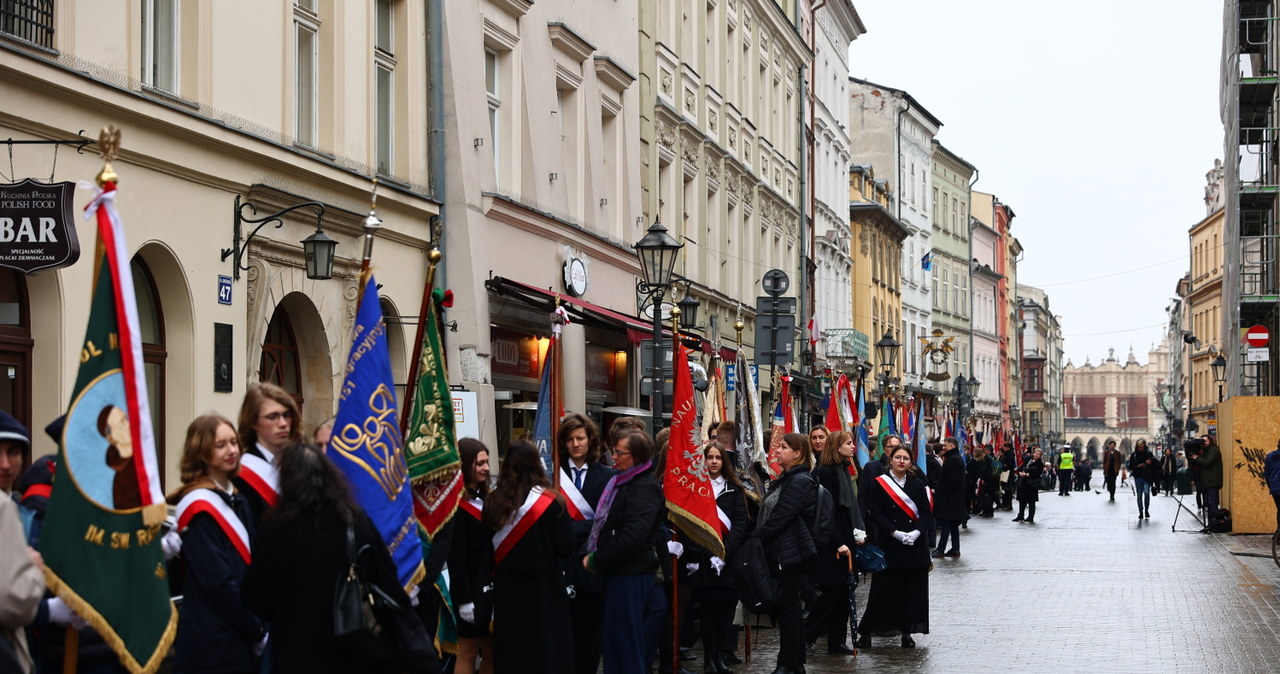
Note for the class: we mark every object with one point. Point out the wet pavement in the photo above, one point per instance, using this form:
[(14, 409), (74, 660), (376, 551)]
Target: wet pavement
[(1087, 588)]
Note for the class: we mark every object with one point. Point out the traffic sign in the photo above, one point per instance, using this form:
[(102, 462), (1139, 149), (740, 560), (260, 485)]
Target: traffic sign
[(775, 305), (775, 282), (1257, 355), (1257, 335)]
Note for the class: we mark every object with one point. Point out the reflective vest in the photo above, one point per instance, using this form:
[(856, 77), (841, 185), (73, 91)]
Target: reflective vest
[(1066, 461)]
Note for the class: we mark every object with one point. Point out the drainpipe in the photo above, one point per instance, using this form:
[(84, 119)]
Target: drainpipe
[(435, 103), (805, 234), (969, 223)]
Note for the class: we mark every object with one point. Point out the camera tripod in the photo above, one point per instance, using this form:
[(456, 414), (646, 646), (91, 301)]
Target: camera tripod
[(1181, 507)]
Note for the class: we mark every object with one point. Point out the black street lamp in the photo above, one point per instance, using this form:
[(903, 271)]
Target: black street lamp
[(887, 351), (318, 248), (1219, 367), (688, 312), (962, 396), (657, 252)]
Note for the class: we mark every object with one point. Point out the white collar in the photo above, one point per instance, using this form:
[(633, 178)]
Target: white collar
[(269, 455)]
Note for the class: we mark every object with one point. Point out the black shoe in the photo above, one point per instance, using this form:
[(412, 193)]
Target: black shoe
[(907, 641), (864, 641), (730, 658), (714, 665), (1031, 520), (810, 650), (1147, 514), (1019, 518), (936, 554), (952, 553), (840, 650)]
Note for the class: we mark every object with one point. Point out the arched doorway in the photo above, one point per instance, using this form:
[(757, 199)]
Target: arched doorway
[(15, 349), (279, 364), (296, 356), (395, 345)]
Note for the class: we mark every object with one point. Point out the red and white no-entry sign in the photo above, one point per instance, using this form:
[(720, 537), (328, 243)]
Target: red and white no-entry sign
[(1257, 335)]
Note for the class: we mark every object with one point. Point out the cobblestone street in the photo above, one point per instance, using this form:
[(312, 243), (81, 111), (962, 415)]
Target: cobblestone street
[(1086, 588)]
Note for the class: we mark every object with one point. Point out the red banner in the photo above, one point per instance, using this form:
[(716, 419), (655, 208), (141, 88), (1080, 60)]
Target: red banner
[(691, 501)]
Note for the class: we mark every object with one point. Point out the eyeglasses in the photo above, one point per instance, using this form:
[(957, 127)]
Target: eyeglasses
[(901, 458), (617, 452), (277, 416)]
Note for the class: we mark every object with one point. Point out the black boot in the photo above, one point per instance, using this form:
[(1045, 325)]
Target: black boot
[(1032, 518)]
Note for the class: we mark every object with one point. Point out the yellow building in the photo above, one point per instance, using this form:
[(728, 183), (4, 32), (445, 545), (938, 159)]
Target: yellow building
[(1204, 308), (877, 258)]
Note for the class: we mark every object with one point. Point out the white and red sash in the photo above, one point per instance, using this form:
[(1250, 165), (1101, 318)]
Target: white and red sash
[(509, 535), (261, 476), (579, 508), (899, 497), (205, 501), (724, 518), (473, 506)]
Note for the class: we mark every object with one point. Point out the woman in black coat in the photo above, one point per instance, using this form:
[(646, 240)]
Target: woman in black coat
[(621, 549), (298, 557), (899, 599), (831, 571), (532, 536), (712, 590), (471, 563), (1029, 486), (216, 633), (949, 500), (784, 524)]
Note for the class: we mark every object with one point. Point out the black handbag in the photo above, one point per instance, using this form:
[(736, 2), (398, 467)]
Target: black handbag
[(356, 627), (870, 558)]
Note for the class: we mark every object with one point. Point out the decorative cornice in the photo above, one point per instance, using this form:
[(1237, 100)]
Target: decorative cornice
[(516, 8), (498, 37), (569, 42), (615, 76)]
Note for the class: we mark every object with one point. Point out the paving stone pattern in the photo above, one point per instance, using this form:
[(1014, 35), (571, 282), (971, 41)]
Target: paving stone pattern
[(1087, 588)]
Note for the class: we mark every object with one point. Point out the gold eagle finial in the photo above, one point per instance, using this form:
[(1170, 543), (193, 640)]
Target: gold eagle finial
[(109, 144)]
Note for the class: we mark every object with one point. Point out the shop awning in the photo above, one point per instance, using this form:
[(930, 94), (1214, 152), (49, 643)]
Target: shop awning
[(580, 310)]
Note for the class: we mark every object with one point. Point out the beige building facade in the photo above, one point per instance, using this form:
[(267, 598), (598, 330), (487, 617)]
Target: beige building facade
[(1114, 401), (338, 97)]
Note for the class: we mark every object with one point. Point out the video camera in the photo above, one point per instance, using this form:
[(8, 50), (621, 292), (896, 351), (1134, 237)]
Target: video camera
[(1194, 446)]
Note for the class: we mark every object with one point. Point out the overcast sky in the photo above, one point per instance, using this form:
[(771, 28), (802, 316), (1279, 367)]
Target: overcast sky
[(1095, 121)]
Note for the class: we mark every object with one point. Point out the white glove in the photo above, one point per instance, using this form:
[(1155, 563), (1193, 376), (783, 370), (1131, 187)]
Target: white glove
[(261, 646), (901, 536), (912, 536), (468, 612), (62, 614), (717, 564), (692, 567), (859, 536), (413, 595), (676, 548), (171, 544)]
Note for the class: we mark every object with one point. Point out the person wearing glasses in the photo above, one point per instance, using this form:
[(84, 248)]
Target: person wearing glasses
[(621, 548), (899, 599), (268, 424)]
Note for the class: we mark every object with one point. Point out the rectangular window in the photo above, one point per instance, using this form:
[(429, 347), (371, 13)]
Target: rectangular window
[(306, 26), (30, 20), (382, 26), (384, 65), (159, 43), (492, 80), (384, 99)]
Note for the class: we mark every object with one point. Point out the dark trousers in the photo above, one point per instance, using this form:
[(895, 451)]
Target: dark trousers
[(625, 608), (948, 528), (585, 610), (1006, 499), (829, 615), (1064, 481), (1109, 479), (1211, 500), (790, 623), (1024, 506), (655, 612), (716, 616)]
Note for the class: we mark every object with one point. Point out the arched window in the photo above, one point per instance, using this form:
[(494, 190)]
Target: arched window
[(280, 364), (151, 327), (15, 349)]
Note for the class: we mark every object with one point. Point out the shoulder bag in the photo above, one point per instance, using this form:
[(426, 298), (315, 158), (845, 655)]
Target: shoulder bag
[(355, 620)]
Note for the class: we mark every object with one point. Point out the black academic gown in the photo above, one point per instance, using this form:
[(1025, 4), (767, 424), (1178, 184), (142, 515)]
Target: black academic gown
[(530, 605)]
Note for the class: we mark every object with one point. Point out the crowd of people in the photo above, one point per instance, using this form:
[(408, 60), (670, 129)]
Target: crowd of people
[(561, 573)]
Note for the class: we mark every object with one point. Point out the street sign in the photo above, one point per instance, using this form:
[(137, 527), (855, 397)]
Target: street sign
[(775, 305), (731, 376), (775, 340), (224, 289), (1257, 354), (1257, 335), (775, 282), (646, 368)]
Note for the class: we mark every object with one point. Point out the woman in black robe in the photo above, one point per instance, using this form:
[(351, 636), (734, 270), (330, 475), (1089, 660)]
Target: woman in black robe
[(1029, 487), (899, 599), (471, 563), (532, 536), (830, 573)]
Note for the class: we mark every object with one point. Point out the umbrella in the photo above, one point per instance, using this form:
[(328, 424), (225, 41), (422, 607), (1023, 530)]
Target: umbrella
[(853, 601)]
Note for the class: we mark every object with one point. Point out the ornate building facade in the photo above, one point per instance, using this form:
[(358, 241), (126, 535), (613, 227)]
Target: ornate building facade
[(1114, 401)]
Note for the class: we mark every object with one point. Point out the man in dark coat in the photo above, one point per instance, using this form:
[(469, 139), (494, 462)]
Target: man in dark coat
[(1008, 464), (1111, 464), (948, 501)]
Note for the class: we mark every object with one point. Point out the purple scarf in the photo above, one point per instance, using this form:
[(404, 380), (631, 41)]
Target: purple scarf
[(606, 499)]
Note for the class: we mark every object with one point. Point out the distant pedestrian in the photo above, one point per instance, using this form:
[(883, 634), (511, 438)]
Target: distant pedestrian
[(1210, 462), (1029, 487), (1140, 467), (1272, 471), (948, 502), (1112, 462), (1066, 467), (1009, 481), (1168, 469)]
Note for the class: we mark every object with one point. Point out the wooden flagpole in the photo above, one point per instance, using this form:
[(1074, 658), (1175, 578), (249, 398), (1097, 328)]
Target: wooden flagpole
[(433, 258)]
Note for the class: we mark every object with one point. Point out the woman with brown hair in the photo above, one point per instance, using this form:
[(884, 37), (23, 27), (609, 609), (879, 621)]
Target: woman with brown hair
[(715, 595), (269, 422), (217, 633), (899, 600), (788, 543), (471, 563), (532, 536), (830, 572)]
